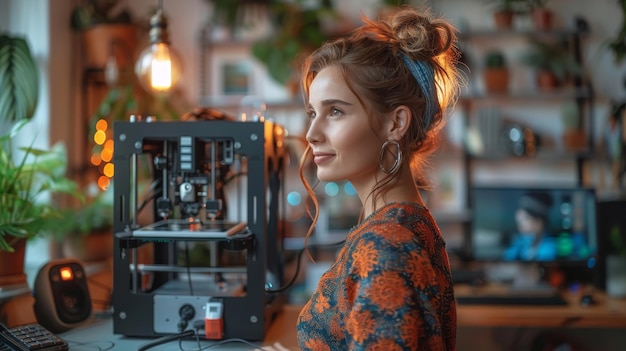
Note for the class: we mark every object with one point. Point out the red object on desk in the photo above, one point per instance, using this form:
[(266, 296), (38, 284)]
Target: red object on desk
[(213, 321)]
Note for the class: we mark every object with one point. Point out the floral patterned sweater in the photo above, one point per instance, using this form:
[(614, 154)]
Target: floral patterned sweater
[(389, 288)]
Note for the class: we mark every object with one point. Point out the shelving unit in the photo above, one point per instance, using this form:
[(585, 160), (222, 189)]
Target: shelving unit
[(580, 92), (493, 114)]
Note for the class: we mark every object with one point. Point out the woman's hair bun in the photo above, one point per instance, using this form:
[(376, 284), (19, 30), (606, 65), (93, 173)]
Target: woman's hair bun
[(419, 35)]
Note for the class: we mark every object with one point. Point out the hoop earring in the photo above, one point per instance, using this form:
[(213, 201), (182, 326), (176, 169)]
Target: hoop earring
[(398, 157)]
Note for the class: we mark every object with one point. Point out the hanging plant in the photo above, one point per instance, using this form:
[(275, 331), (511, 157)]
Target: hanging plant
[(19, 79), (618, 44)]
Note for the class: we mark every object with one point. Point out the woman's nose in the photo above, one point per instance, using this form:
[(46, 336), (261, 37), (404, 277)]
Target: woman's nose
[(313, 134)]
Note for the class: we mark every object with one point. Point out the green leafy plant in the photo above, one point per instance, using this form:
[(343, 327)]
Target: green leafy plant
[(535, 4), (225, 12), (570, 116), (89, 13), (94, 215), (617, 45), (554, 58), (495, 59), (617, 241), (19, 79), (23, 184), (299, 31), (126, 98), (515, 6)]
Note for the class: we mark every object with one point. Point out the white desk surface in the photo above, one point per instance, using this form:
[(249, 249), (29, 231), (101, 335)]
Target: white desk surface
[(98, 335)]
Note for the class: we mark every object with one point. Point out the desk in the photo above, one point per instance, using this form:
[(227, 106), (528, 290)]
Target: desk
[(605, 313), (281, 336)]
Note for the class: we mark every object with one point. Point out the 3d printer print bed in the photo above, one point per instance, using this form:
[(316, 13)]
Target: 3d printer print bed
[(192, 229)]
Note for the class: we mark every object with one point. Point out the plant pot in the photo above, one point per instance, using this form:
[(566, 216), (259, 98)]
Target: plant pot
[(96, 246), (104, 40), (574, 139), (616, 276), (543, 19), (503, 19), (546, 80), (12, 265), (496, 80)]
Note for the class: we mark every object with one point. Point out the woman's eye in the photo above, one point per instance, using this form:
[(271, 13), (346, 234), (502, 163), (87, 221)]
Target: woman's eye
[(335, 112), (311, 114)]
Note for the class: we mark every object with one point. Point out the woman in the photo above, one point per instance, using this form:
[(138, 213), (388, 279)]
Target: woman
[(533, 240), (376, 101)]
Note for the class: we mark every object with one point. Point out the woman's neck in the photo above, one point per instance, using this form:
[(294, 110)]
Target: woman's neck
[(401, 189)]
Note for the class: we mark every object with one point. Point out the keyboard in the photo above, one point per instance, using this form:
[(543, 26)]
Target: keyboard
[(511, 299), (30, 337)]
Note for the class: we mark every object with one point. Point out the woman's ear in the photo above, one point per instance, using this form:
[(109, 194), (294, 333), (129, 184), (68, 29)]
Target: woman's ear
[(398, 123)]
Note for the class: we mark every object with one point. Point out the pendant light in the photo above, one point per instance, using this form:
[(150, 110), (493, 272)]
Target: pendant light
[(158, 67)]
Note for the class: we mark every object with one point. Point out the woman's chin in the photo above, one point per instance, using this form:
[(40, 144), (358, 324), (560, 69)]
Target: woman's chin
[(326, 177)]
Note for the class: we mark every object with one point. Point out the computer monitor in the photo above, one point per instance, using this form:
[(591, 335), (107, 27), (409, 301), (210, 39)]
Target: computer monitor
[(534, 224)]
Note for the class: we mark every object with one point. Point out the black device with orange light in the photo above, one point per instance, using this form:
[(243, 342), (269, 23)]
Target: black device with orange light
[(62, 299)]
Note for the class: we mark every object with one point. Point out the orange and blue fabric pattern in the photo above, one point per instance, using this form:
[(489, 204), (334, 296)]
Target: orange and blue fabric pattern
[(389, 288)]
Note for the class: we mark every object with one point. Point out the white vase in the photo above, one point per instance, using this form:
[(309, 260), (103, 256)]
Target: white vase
[(616, 276)]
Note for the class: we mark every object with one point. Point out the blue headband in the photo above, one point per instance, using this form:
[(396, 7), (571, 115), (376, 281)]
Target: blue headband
[(425, 77)]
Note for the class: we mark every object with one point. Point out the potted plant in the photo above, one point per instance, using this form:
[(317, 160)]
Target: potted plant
[(224, 17), (504, 11), (19, 79), (85, 231), (19, 92), (541, 14), (107, 30), (24, 182), (574, 135), (496, 73), (555, 65), (299, 30)]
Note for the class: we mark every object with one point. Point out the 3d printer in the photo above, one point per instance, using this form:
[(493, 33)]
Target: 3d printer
[(210, 251)]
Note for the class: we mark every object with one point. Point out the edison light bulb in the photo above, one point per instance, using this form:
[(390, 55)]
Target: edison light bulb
[(158, 67)]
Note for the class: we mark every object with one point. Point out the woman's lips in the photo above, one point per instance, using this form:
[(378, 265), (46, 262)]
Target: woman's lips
[(322, 158)]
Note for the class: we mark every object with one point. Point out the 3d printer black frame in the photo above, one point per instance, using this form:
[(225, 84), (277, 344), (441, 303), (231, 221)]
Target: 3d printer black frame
[(248, 316)]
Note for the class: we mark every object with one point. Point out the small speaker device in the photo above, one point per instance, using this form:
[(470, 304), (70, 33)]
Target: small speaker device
[(62, 299)]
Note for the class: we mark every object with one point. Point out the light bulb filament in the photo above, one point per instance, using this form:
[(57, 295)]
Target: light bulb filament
[(161, 70)]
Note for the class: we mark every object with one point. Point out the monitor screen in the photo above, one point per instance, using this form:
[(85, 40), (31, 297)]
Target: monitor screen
[(525, 224)]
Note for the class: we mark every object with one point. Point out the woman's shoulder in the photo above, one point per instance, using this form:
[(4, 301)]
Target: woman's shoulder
[(398, 226), (409, 216), (393, 223), (399, 212)]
